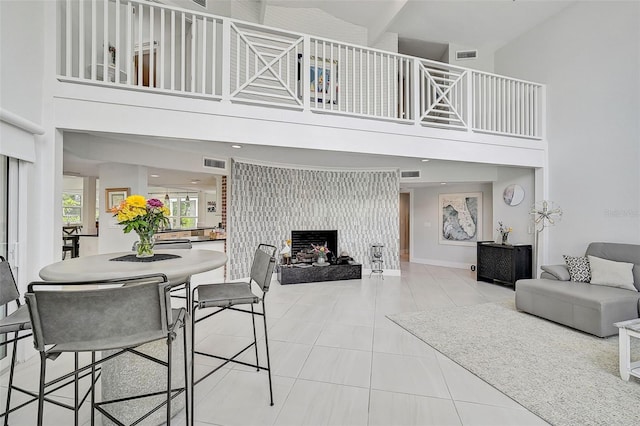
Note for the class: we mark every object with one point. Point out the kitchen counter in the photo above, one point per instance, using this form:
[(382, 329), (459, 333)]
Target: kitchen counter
[(193, 234)]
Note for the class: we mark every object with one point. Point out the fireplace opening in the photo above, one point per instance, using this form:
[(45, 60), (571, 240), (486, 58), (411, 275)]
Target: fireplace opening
[(303, 241)]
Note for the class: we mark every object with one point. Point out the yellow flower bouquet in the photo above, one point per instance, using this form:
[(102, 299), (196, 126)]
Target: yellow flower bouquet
[(143, 216)]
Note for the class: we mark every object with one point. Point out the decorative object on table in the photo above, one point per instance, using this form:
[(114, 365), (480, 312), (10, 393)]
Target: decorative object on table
[(543, 214), (376, 259), (504, 232), (513, 195), (285, 252), (344, 258), (321, 251), (113, 197), (460, 218), (143, 216)]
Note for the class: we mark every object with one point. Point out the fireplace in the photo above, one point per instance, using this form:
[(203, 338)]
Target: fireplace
[(301, 240)]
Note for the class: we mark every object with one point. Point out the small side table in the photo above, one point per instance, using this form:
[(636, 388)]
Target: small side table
[(627, 330)]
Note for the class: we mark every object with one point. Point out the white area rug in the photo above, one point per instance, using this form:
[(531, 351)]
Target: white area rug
[(564, 376)]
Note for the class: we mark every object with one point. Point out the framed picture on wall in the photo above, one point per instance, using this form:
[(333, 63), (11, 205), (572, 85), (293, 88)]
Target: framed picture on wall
[(323, 79), (114, 196), (460, 218)]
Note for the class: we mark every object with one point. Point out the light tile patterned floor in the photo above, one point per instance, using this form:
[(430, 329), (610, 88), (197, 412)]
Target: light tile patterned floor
[(337, 360)]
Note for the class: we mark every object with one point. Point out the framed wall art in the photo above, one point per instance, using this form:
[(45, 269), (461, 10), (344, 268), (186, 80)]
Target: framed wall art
[(114, 196), (323, 79), (460, 218)]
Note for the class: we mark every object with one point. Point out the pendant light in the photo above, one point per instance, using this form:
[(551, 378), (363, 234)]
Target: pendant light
[(166, 197), (187, 199)]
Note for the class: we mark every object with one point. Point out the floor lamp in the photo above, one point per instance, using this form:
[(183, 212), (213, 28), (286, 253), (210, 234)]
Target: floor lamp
[(543, 213)]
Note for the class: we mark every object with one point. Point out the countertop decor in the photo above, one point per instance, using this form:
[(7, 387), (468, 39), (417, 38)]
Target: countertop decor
[(144, 217)]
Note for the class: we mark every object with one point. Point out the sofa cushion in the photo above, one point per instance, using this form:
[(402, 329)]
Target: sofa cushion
[(620, 253), (579, 269), (590, 308), (558, 272), (613, 274)]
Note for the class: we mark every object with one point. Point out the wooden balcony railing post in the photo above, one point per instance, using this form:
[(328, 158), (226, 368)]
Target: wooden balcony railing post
[(469, 100), (415, 113), (305, 74), (226, 60)]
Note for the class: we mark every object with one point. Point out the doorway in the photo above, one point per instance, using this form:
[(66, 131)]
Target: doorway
[(405, 234)]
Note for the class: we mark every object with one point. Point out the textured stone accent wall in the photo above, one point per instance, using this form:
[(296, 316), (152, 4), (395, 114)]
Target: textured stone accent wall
[(267, 203)]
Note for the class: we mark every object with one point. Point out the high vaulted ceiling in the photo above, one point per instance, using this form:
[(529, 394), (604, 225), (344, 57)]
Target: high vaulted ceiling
[(479, 24)]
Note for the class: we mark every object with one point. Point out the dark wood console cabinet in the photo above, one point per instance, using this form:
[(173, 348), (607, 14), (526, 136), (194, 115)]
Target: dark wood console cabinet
[(503, 263)]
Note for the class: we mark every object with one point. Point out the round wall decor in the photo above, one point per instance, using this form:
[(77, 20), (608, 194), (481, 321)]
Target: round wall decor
[(513, 195)]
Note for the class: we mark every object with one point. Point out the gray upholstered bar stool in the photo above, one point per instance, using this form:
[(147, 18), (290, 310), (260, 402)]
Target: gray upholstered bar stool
[(15, 322), (95, 316), (225, 296)]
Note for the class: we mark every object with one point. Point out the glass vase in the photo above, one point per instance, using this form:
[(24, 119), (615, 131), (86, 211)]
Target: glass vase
[(145, 244), (321, 258)]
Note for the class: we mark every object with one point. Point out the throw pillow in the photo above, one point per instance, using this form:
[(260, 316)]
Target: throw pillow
[(612, 274), (579, 269)]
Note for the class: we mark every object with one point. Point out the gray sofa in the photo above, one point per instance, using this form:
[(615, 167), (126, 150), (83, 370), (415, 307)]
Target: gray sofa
[(586, 307)]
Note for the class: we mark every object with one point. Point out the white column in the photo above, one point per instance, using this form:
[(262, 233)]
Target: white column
[(89, 205), (112, 175)]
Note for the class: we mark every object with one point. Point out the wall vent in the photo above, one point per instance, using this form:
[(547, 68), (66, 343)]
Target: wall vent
[(466, 54), (410, 174), (212, 163), (202, 3)]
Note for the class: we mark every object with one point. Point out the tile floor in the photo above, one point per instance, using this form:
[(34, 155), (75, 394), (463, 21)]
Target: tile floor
[(337, 360)]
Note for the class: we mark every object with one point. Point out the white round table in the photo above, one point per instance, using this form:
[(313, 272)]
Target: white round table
[(101, 267), (129, 375)]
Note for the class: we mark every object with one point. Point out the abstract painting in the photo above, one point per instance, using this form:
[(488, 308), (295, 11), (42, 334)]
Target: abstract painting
[(460, 218)]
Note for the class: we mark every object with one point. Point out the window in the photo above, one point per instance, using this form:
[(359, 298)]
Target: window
[(71, 207), (183, 212)]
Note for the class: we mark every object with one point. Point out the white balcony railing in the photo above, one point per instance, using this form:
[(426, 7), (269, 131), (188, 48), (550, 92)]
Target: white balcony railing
[(147, 46)]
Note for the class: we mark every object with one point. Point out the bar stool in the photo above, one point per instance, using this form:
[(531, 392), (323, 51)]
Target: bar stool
[(15, 322), (106, 318), (225, 296)]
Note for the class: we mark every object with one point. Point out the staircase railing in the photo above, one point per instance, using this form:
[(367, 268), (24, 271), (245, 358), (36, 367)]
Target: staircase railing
[(146, 46)]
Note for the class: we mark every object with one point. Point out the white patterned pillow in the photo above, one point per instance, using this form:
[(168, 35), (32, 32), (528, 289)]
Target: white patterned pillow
[(579, 269)]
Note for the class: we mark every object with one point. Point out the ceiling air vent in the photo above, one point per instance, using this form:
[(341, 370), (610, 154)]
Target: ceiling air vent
[(410, 174), (212, 163), (466, 54), (202, 3)]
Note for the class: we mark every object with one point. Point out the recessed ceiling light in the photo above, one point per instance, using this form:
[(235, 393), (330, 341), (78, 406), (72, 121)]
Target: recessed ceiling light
[(155, 175), (443, 183), (236, 146), (424, 160), (195, 181)]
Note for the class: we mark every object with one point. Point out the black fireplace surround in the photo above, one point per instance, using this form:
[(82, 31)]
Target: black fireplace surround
[(301, 240)]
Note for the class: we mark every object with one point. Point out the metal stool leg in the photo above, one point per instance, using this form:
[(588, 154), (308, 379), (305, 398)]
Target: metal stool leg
[(266, 342)]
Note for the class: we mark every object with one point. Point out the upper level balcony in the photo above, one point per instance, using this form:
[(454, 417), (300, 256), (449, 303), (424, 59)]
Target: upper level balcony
[(147, 47)]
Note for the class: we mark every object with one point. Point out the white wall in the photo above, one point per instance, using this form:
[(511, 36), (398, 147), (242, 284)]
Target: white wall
[(111, 237), (315, 22), (425, 226), (483, 62), (589, 57), (21, 67), (516, 217)]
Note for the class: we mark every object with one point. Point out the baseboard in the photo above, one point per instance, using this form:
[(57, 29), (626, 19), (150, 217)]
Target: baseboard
[(436, 262)]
